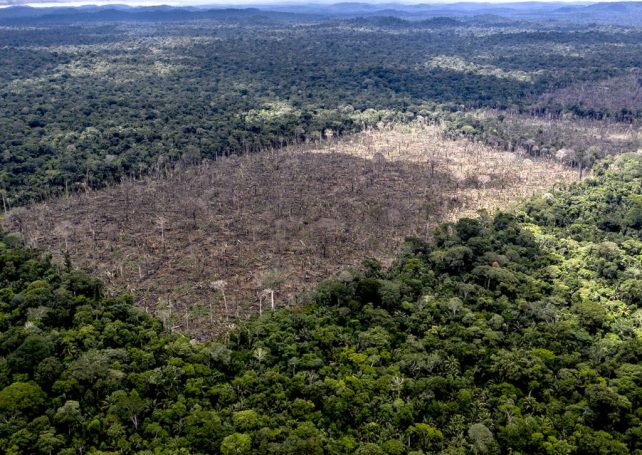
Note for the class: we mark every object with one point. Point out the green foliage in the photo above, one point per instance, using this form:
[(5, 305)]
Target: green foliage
[(236, 444), (33, 350), (21, 398)]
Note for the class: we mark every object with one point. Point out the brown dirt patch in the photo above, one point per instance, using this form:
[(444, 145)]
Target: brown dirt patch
[(281, 220)]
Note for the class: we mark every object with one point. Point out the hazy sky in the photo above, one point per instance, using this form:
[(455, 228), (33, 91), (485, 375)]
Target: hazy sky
[(230, 2), (220, 2)]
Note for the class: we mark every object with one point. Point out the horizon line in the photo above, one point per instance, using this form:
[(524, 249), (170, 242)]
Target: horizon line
[(249, 3)]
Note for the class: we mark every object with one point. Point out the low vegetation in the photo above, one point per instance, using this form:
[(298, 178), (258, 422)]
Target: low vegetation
[(576, 142)]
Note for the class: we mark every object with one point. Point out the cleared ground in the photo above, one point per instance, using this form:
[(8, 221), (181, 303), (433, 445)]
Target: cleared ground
[(206, 245)]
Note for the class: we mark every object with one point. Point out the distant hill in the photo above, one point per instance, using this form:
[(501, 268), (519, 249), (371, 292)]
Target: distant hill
[(392, 21), (622, 13), (20, 15)]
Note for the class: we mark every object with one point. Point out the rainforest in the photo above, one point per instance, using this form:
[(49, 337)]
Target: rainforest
[(321, 229)]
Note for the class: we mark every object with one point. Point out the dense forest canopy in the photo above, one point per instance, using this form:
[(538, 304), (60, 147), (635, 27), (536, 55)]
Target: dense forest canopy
[(83, 104), (514, 333)]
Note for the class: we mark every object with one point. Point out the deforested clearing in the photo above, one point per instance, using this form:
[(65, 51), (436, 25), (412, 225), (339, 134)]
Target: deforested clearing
[(203, 246)]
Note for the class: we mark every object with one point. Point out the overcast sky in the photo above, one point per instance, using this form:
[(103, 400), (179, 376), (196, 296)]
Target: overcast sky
[(219, 2)]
